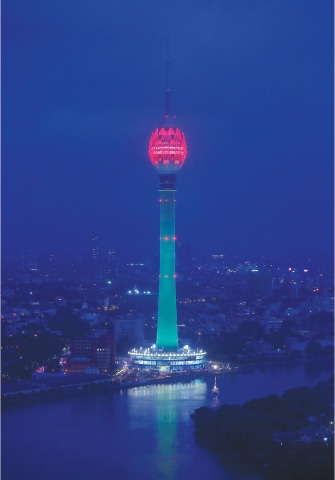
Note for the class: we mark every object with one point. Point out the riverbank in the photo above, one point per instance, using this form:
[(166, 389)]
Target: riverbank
[(279, 437), (52, 387), (55, 387)]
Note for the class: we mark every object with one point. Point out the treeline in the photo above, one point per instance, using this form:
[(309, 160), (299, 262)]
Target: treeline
[(243, 436), (34, 346)]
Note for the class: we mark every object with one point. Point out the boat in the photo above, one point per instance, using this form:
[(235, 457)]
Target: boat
[(215, 389)]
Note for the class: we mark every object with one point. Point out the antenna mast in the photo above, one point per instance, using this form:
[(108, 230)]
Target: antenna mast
[(167, 91)]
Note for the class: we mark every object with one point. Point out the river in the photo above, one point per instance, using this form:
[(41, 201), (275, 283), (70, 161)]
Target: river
[(143, 433)]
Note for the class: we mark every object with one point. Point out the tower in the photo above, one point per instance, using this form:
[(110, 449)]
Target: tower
[(167, 152)]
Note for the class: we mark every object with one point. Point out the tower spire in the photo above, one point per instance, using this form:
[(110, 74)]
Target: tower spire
[(167, 90)]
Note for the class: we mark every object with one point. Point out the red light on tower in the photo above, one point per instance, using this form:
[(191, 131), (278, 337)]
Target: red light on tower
[(167, 146), (167, 149)]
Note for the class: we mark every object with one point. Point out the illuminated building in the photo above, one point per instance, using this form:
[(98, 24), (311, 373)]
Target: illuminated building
[(167, 152), (77, 365), (90, 352)]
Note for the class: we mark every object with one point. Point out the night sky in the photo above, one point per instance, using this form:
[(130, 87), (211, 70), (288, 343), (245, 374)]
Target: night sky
[(252, 88)]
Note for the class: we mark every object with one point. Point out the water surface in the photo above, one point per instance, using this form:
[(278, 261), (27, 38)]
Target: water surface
[(141, 433)]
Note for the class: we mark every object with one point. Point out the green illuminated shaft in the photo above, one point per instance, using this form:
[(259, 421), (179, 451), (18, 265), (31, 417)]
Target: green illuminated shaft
[(167, 334)]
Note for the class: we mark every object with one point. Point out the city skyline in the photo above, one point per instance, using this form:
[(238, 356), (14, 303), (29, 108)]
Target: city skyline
[(252, 88)]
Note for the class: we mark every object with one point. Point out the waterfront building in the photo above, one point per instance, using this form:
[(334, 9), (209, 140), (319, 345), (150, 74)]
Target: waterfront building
[(78, 365), (98, 352)]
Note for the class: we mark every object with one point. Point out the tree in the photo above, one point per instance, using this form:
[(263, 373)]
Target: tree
[(69, 324), (251, 328), (313, 349)]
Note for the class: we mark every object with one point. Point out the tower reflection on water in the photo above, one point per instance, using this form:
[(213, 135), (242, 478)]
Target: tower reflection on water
[(168, 407)]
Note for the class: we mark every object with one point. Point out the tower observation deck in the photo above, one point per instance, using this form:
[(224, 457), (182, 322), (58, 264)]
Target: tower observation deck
[(167, 152)]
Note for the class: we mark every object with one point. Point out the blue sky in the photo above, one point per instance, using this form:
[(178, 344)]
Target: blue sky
[(252, 89)]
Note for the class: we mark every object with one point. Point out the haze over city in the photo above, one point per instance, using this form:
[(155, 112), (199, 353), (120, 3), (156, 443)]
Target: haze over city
[(252, 88)]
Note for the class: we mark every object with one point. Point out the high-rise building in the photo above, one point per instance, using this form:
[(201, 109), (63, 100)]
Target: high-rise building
[(95, 246), (27, 260), (111, 269), (184, 258), (98, 264), (167, 152)]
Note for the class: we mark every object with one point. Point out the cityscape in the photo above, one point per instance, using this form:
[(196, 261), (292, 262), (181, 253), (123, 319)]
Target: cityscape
[(70, 329), (187, 332), (239, 311)]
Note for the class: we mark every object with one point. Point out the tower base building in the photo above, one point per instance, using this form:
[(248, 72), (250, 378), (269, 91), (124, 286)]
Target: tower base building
[(180, 359)]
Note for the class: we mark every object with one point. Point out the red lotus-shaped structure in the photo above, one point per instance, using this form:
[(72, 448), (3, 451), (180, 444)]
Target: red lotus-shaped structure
[(167, 149)]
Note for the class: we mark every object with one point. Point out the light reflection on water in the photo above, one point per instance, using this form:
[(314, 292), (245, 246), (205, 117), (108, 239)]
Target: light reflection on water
[(139, 434), (168, 407)]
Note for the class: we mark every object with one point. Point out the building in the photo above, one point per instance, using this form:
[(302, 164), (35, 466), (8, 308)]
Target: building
[(131, 327), (103, 362), (167, 152), (98, 352), (78, 365), (83, 347)]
